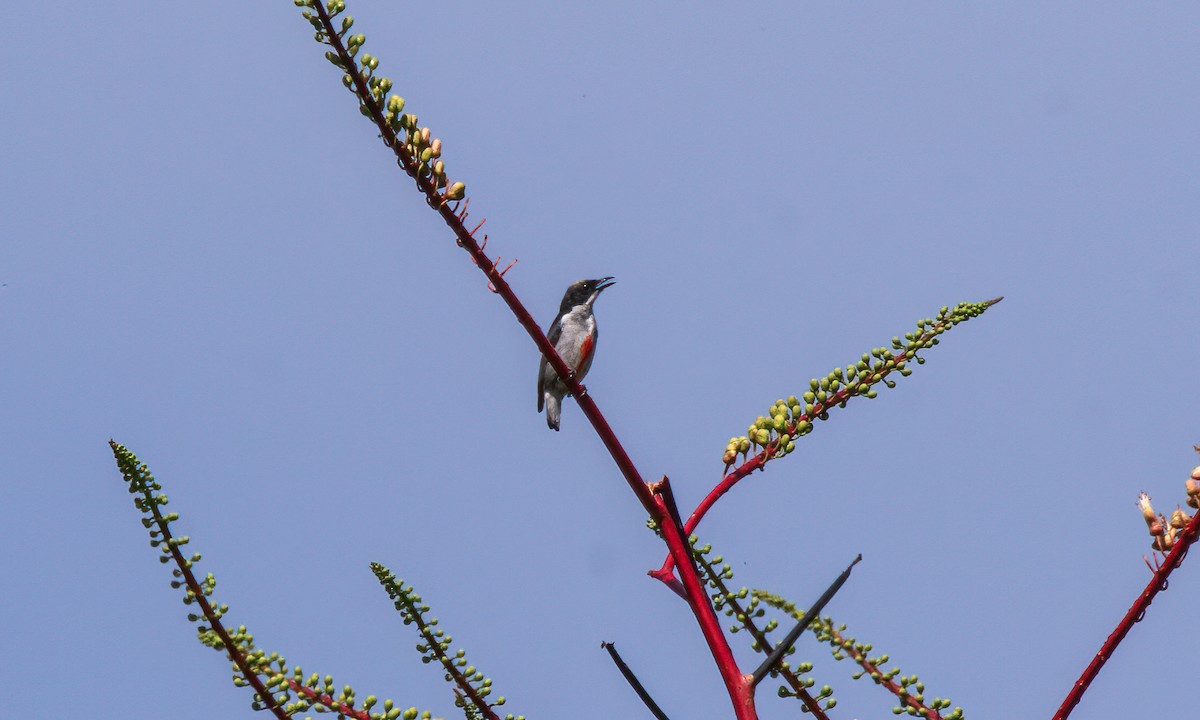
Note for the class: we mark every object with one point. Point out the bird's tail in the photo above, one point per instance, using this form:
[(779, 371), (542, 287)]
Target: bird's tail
[(553, 410)]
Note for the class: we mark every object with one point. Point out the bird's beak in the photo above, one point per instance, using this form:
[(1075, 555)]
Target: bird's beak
[(604, 283)]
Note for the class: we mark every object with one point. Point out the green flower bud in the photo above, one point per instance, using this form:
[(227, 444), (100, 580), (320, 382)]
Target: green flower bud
[(456, 191)]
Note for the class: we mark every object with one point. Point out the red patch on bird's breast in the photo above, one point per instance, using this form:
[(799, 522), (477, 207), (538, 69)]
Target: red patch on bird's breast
[(585, 351)]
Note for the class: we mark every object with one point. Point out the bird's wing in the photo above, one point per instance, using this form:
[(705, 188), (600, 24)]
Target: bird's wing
[(553, 334), (555, 331)]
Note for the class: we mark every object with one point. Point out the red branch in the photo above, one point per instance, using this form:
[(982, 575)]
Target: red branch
[(667, 572), (697, 599), (1157, 583), (740, 687)]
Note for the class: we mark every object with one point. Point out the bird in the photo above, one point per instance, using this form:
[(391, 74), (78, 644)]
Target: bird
[(573, 334)]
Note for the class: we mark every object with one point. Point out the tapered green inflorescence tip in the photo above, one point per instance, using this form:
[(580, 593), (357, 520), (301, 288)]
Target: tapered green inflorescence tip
[(788, 420), (472, 687), (417, 150)]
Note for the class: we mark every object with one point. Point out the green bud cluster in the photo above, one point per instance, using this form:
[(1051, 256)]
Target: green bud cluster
[(788, 420), (372, 91), (436, 645), (843, 646)]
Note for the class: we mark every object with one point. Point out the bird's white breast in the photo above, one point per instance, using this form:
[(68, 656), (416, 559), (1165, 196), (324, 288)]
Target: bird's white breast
[(576, 325)]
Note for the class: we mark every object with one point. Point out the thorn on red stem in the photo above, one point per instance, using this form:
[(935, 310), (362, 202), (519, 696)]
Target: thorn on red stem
[(502, 272)]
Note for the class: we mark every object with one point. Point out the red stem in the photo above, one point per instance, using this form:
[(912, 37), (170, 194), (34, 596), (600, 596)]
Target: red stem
[(1157, 582), (698, 600), (739, 686), (666, 573)]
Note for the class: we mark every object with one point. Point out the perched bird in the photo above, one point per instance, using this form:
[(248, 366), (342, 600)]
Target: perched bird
[(573, 334)]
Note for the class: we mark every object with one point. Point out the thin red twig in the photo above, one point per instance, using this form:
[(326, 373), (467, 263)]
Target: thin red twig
[(1158, 582), (502, 272)]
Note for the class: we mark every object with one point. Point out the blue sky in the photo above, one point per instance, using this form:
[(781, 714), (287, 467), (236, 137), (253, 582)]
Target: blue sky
[(210, 258)]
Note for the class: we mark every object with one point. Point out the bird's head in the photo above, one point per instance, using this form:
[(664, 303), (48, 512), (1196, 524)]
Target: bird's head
[(584, 292)]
